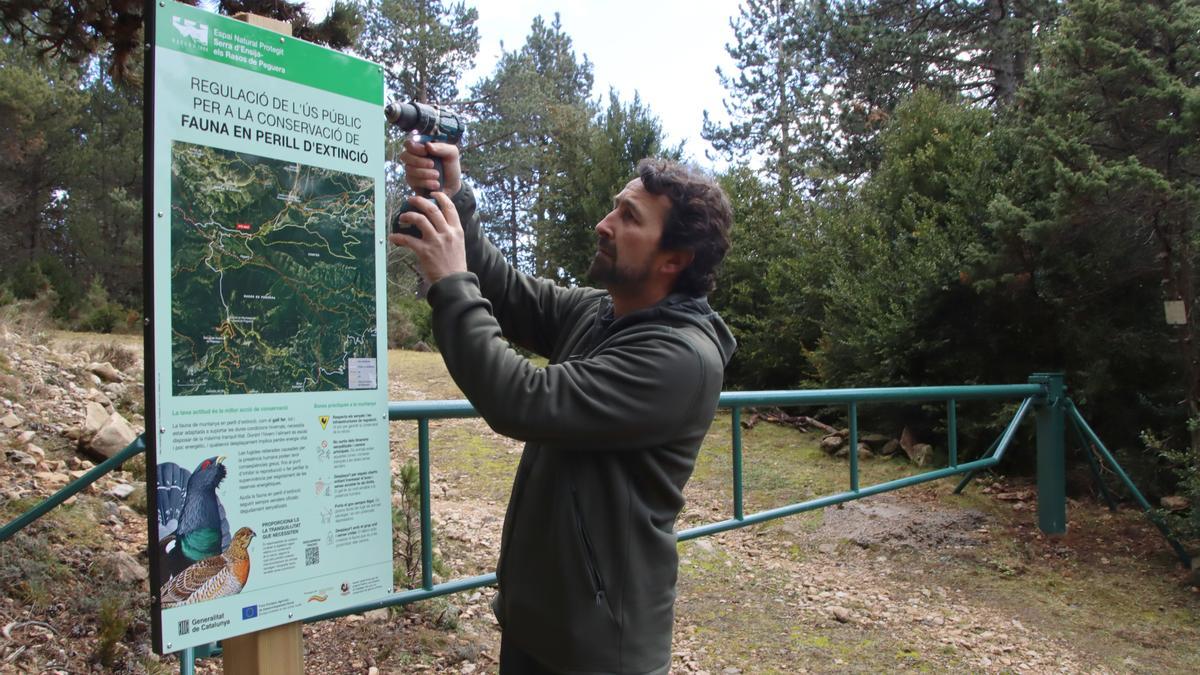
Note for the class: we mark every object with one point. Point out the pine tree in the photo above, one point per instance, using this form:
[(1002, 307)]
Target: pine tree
[(587, 176), (533, 106), (424, 45), (779, 104), (1110, 190), (76, 29)]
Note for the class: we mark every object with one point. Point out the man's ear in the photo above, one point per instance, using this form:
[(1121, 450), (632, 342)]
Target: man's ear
[(675, 262)]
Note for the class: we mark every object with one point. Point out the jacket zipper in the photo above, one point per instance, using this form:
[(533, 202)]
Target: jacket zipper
[(589, 553)]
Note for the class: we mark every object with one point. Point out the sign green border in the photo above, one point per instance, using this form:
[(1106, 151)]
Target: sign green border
[(201, 33)]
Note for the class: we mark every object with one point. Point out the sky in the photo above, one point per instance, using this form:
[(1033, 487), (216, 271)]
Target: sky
[(665, 50)]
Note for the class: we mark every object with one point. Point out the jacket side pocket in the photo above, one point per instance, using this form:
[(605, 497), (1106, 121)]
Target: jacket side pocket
[(589, 558)]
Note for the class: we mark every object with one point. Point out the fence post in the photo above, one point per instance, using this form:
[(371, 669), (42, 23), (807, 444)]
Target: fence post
[(1051, 453)]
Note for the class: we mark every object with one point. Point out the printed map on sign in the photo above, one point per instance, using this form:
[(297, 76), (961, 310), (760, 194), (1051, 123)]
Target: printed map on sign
[(272, 275)]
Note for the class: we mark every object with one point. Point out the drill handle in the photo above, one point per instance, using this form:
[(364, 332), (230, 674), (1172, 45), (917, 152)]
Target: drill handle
[(437, 163), (403, 228)]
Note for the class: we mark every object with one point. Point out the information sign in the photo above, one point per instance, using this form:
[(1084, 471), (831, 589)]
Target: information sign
[(269, 479)]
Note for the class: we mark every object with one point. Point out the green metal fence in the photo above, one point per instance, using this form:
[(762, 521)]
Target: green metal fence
[(1044, 396)]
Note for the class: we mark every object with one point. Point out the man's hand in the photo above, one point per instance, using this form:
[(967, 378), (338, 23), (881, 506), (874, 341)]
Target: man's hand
[(420, 172), (440, 250)]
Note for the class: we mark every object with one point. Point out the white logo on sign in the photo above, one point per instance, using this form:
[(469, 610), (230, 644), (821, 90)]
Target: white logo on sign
[(189, 28)]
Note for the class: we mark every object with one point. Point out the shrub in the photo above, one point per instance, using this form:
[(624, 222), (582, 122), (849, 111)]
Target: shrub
[(36, 278), (410, 320), (100, 314)]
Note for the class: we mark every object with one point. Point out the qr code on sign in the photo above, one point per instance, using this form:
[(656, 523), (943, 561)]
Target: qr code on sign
[(312, 556), (185, 627)]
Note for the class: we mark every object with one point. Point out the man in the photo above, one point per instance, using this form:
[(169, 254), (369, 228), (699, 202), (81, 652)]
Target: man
[(612, 425)]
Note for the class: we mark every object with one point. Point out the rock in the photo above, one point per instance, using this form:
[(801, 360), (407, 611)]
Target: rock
[(94, 417), (827, 549), (10, 421), (906, 440), (864, 451), (873, 440), (1018, 496), (51, 479), (373, 670), (840, 613), (1175, 503), (112, 437), (126, 568), (21, 458), (890, 448), (831, 443), (25, 436), (121, 490), (35, 451), (376, 615), (422, 347), (106, 372), (920, 454)]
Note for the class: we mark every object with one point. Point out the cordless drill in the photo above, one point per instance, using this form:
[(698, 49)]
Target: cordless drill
[(431, 124)]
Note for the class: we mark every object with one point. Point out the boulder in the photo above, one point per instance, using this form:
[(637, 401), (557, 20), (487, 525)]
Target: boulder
[(10, 421), (842, 614), (94, 417), (920, 454), (125, 568), (21, 458), (873, 440), (121, 490), (864, 451), (890, 448), (52, 479), (1175, 503), (106, 372), (831, 443), (112, 437)]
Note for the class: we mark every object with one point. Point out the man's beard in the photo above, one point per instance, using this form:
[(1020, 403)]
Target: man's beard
[(607, 272)]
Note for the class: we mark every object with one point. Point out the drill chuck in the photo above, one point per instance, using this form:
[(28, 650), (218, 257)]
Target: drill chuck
[(430, 121)]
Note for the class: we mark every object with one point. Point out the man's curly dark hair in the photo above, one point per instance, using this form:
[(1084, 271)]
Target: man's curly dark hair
[(699, 220)]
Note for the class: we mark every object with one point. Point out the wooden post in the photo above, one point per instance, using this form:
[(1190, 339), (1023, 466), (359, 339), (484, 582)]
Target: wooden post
[(278, 650), (274, 651)]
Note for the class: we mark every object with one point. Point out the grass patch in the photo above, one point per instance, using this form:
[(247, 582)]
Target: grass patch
[(468, 450), (782, 466), (31, 571)]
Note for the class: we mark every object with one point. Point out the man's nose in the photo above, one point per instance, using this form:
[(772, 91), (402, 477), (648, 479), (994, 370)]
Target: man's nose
[(604, 227)]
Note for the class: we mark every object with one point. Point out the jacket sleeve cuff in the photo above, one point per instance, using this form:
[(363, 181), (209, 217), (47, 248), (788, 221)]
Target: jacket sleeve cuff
[(464, 202), (460, 285)]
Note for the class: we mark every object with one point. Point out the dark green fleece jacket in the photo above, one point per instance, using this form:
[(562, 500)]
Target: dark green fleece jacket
[(612, 426)]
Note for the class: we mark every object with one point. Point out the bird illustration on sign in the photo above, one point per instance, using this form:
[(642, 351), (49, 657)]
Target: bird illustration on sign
[(191, 520), (216, 577)]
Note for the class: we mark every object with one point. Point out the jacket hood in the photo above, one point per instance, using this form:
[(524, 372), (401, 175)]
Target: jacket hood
[(678, 307)]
